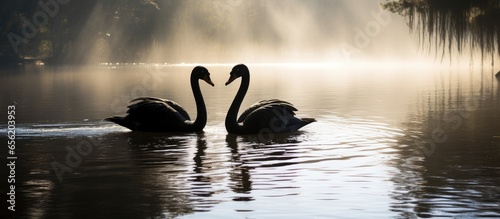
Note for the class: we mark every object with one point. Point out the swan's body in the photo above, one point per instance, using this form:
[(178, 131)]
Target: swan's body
[(151, 114), (265, 116)]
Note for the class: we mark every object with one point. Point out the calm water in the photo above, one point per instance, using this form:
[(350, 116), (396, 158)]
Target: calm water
[(403, 142)]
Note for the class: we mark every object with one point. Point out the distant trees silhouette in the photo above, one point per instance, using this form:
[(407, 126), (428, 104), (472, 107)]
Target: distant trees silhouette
[(52, 29), (453, 24), (78, 32)]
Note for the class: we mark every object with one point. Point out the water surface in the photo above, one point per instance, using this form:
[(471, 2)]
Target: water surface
[(389, 142)]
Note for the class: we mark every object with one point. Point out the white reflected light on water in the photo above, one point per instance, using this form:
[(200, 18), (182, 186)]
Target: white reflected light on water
[(360, 159)]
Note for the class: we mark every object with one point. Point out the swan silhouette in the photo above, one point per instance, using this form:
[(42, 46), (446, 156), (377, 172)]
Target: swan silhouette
[(151, 114), (270, 116)]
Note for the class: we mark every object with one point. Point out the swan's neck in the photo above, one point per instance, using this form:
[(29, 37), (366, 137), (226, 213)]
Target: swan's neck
[(232, 125), (201, 112)]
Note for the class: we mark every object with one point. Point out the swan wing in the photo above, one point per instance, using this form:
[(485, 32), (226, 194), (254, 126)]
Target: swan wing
[(278, 116), (170, 103), (154, 111), (264, 103)]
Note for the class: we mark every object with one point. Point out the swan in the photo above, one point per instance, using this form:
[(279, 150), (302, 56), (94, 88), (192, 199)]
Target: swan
[(265, 116), (151, 114)]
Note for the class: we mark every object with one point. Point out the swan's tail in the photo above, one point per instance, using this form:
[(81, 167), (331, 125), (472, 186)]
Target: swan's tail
[(115, 119), (308, 120), (301, 122), (120, 120)]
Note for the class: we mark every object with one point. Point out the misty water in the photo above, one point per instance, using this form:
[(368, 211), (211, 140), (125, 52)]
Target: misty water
[(395, 141)]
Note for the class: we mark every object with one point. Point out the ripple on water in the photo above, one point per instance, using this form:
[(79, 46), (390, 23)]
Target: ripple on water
[(68, 130), (329, 161)]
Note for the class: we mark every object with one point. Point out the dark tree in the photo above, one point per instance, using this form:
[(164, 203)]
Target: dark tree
[(453, 24)]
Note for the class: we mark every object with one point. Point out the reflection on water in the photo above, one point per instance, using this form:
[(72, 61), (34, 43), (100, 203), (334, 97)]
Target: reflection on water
[(387, 144), (450, 157)]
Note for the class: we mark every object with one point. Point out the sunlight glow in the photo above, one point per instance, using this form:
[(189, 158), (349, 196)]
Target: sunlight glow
[(361, 65)]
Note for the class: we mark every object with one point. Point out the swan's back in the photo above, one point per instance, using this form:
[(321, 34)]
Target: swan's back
[(273, 115), (153, 115), (170, 103), (264, 103)]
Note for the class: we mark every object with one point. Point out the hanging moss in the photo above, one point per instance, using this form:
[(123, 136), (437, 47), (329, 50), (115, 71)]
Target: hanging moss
[(453, 24)]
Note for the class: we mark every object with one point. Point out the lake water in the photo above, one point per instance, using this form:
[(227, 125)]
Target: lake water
[(398, 142)]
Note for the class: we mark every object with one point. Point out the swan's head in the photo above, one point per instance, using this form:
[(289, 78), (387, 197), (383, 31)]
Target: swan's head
[(236, 72), (201, 73)]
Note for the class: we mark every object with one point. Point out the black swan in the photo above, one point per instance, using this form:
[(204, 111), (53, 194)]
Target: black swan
[(151, 114), (265, 116)]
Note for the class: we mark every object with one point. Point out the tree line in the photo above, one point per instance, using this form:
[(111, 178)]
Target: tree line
[(51, 29), (74, 32)]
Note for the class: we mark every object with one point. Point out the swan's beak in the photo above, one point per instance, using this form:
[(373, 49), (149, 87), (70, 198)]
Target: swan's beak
[(208, 80), (231, 79)]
